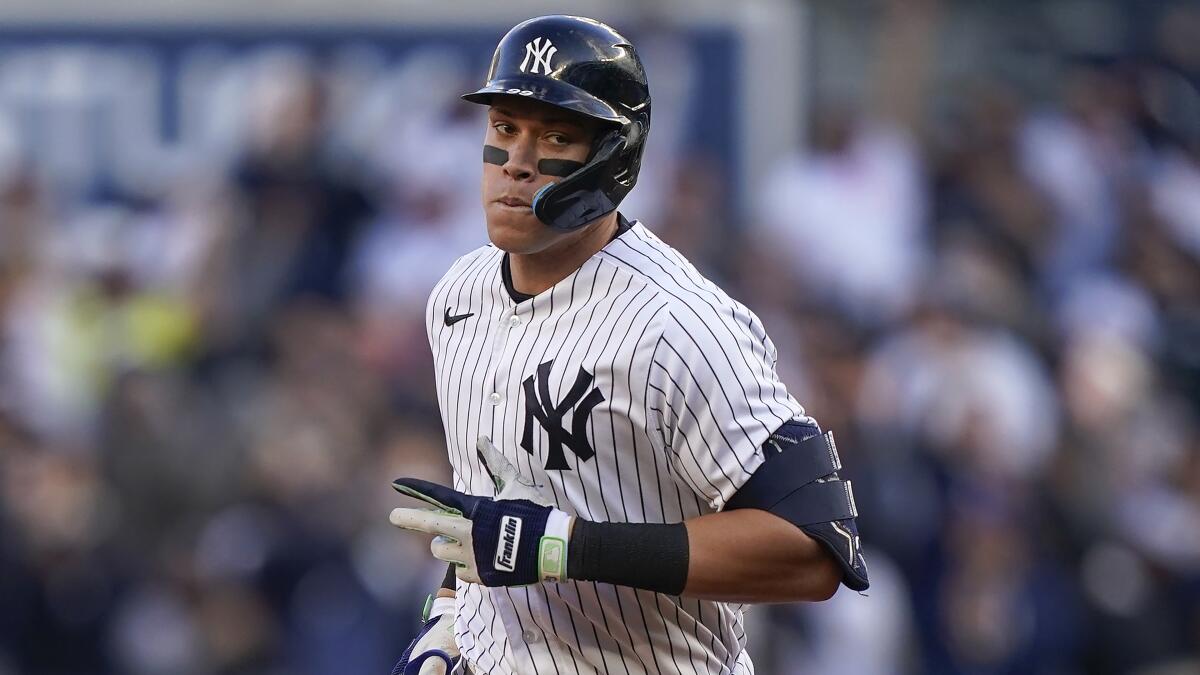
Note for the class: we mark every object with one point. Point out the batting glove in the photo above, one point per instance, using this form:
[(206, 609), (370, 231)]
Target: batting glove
[(515, 538), (433, 651)]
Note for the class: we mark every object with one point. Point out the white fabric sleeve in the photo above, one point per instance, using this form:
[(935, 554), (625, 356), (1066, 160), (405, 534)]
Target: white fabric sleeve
[(714, 392)]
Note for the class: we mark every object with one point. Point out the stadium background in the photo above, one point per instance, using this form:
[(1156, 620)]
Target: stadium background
[(972, 229)]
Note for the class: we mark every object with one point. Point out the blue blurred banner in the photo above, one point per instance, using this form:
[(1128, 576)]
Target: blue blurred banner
[(125, 108)]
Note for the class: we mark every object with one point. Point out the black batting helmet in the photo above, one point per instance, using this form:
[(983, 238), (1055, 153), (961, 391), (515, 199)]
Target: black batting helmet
[(585, 66)]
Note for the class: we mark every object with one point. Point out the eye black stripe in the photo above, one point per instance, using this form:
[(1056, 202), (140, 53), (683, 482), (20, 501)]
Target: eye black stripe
[(558, 167), (494, 155)]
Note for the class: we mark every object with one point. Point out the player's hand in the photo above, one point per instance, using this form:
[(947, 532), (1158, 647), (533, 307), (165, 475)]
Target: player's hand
[(514, 539), (433, 651), (508, 481)]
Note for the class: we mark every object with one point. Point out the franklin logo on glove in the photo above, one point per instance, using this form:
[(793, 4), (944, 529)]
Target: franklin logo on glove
[(510, 536)]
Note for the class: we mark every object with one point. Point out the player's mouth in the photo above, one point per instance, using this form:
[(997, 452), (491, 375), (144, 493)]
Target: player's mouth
[(513, 202)]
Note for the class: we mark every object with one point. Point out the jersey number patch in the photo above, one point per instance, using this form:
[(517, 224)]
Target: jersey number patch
[(540, 406)]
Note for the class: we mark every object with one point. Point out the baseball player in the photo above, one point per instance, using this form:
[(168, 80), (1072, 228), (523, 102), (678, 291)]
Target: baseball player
[(628, 469)]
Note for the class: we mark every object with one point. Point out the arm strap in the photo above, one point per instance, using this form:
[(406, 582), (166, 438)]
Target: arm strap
[(789, 465)]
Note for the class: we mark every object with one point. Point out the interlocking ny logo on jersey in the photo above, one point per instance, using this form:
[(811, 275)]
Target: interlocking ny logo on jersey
[(540, 406), (541, 50)]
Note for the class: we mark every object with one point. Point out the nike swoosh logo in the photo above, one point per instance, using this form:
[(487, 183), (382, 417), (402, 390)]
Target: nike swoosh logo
[(453, 319)]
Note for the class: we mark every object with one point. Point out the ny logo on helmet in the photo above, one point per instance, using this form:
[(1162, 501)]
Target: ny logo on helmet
[(542, 50)]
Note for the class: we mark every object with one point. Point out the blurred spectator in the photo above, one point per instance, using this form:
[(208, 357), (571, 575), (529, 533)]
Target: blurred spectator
[(430, 220), (980, 395), (846, 216), (303, 205), (84, 315)]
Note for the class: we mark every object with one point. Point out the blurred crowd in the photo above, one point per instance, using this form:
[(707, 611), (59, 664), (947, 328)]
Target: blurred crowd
[(988, 288)]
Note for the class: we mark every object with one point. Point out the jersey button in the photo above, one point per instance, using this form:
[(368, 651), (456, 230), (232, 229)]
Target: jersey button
[(514, 321), (494, 398), (530, 636)]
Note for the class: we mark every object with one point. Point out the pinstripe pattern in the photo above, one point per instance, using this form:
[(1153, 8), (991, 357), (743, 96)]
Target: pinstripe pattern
[(689, 396)]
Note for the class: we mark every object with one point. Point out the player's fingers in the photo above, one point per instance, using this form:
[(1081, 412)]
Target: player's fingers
[(509, 482), (439, 496), (448, 550), (502, 471), (429, 522)]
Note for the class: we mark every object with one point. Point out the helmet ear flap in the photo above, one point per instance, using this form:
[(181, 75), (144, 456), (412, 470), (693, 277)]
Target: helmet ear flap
[(633, 135)]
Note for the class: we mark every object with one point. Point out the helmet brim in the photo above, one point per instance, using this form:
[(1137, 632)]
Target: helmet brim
[(554, 92)]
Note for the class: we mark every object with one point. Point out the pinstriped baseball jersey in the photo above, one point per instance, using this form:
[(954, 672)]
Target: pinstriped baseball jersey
[(634, 390)]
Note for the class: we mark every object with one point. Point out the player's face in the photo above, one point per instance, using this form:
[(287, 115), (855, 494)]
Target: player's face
[(527, 131)]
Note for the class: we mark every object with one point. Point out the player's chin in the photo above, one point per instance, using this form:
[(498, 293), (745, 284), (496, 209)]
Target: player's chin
[(514, 229)]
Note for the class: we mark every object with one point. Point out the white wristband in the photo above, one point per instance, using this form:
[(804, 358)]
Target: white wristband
[(552, 551)]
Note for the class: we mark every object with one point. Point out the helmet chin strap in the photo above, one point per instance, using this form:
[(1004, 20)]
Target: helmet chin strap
[(581, 197)]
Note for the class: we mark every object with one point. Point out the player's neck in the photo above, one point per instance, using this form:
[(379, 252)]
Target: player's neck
[(533, 273)]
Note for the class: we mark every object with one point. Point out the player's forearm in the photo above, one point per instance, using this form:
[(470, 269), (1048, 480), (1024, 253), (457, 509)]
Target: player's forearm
[(752, 556), (744, 555)]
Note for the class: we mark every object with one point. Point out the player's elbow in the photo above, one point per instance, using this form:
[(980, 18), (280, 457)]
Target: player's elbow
[(825, 577), (814, 578), (815, 573)]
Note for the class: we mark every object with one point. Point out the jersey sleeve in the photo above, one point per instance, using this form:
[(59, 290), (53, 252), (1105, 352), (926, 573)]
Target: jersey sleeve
[(714, 393)]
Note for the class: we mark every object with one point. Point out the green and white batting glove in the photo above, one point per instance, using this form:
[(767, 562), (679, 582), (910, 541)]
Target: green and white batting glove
[(515, 538)]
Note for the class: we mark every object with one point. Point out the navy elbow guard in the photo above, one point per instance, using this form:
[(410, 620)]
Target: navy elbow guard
[(799, 483)]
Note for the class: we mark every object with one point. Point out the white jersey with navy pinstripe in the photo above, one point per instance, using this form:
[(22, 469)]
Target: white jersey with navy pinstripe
[(634, 390)]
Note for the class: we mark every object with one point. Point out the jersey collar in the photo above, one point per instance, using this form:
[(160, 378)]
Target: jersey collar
[(623, 226)]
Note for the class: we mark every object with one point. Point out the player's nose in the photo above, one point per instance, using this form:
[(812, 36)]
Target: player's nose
[(522, 162)]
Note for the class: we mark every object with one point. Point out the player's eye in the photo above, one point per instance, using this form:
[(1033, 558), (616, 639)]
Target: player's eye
[(504, 128), (558, 139)]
